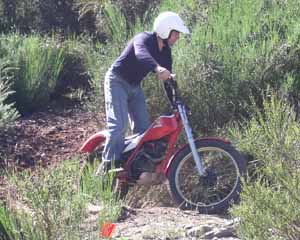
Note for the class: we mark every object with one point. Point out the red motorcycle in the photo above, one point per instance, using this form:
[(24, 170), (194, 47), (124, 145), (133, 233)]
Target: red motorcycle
[(203, 174)]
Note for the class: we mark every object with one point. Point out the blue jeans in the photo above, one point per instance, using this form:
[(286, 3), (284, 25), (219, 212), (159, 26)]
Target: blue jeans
[(122, 100)]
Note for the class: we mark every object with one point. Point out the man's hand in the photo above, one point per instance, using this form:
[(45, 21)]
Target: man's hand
[(162, 73)]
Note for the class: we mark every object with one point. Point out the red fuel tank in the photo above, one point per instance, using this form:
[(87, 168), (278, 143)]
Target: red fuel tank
[(161, 127)]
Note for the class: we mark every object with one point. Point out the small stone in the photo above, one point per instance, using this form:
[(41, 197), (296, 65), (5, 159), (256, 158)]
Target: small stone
[(93, 209), (198, 231), (225, 233)]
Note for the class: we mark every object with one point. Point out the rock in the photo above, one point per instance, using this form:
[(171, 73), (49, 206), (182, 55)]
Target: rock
[(93, 209), (208, 232), (199, 231), (228, 232)]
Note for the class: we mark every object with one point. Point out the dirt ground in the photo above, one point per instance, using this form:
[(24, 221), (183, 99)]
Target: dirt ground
[(46, 137), (56, 134)]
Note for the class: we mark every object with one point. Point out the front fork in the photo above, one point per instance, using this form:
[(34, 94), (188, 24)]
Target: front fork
[(191, 141)]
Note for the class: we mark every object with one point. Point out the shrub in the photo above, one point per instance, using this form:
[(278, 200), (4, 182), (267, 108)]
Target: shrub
[(54, 206), (135, 10), (59, 16), (8, 113), (75, 72), (36, 62), (237, 49), (52, 203), (6, 224), (68, 16), (23, 16), (39, 16), (45, 69), (15, 226), (270, 194)]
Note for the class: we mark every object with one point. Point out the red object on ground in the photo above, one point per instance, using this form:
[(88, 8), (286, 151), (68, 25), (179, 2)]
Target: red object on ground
[(107, 229)]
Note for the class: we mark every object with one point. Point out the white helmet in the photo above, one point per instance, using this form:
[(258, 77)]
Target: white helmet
[(168, 21)]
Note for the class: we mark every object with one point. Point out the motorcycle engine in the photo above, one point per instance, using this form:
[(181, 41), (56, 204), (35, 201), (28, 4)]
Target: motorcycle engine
[(150, 155)]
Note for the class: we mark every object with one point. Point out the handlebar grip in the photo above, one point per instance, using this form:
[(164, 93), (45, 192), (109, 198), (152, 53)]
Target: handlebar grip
[(170, 87), (171, 82)]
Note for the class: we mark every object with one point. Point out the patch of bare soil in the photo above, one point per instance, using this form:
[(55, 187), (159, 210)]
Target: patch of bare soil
[(45, 138)]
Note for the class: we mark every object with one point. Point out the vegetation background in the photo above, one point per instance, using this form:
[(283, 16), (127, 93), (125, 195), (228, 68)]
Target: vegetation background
[(239, 70)]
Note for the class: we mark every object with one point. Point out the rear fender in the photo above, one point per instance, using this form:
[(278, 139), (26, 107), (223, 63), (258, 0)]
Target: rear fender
[(93, 142), (187, 145)]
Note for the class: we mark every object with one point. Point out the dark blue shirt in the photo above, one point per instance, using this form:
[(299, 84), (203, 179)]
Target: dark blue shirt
[(141, 56)]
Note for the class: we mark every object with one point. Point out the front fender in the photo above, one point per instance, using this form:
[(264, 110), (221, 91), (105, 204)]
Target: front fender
[(93, 142), (186, 145)]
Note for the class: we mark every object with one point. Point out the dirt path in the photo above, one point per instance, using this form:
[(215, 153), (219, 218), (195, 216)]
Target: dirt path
[(166, 223), (172, 223), (55, 135)]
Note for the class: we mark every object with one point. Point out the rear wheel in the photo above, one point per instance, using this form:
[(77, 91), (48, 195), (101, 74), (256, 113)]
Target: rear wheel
[(221, 185)]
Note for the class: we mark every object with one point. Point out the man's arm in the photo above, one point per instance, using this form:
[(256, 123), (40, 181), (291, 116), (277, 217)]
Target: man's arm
[(144, 57)]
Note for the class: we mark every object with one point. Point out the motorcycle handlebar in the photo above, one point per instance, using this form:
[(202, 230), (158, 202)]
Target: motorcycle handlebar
[(173, 94), (171, 90)]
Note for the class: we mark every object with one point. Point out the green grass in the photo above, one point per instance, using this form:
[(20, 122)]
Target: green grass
[(53, 203)]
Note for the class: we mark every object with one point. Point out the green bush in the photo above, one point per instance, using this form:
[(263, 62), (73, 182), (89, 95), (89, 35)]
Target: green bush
[(36, 64), (8, 113), (20, 15), (39, 62), (134, 10), (17, 225), (6, 224), (44, 69), (59, 16), (39, 16), (52, 203), (270, 194), (237, 49), (51, 200), (68, 16), (75, 73)]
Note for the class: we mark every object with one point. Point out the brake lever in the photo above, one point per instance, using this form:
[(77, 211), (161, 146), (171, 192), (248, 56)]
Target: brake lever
[(188, 110), (172, 82)]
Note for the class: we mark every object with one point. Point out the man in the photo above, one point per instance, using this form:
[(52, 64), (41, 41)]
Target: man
[(146, 52)]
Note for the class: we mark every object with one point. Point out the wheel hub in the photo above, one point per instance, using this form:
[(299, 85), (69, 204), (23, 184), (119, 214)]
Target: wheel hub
[(209, 179)]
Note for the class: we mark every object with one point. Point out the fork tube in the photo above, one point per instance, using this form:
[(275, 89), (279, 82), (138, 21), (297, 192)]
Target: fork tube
[(190, 139)]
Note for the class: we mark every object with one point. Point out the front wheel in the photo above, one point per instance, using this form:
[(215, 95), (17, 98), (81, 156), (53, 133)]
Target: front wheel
[(221, 185)]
